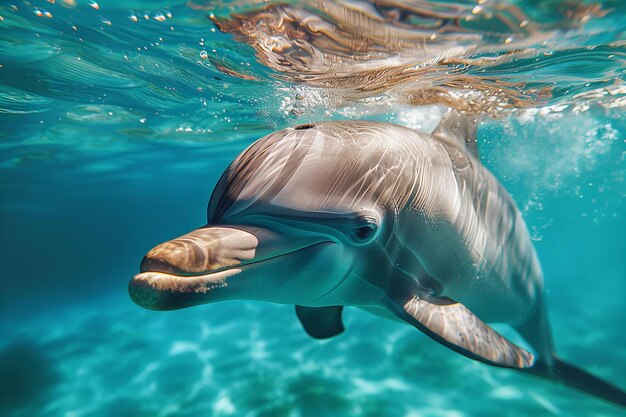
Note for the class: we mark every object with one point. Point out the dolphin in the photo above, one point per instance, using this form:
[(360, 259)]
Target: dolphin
[(403, 224)]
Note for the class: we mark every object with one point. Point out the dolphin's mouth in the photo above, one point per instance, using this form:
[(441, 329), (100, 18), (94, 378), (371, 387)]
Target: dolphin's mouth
[(180, 273), (165, 270)]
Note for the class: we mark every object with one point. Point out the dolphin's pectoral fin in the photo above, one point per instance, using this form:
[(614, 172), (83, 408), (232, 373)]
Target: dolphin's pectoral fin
[(455, 326), (321, 322)]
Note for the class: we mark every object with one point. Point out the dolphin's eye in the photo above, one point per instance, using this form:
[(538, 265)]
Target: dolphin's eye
[(364, 232), (365, 229)]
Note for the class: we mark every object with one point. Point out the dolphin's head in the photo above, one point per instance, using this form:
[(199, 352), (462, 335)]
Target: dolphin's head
[(290, 221)]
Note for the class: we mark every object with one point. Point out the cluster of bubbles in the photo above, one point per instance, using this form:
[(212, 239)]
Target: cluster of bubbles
[(159, 16)]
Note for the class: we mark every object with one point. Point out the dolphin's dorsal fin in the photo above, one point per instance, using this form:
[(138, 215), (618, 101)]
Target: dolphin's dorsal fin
[(455, 326), (458, 129), (321, 322)]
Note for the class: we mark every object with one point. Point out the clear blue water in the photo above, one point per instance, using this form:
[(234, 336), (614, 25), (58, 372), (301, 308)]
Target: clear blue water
[(113, 133)]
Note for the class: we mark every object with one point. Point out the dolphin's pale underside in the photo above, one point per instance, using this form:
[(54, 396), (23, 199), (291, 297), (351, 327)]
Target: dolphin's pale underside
[(403, 224)]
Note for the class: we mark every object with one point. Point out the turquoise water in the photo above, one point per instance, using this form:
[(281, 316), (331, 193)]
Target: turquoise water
[(114, 131)]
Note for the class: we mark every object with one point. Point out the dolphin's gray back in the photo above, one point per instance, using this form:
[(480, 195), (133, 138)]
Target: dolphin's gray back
[(492, 229), (461, 223)]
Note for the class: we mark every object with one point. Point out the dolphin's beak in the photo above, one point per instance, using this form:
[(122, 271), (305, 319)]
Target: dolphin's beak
[(193, 268)]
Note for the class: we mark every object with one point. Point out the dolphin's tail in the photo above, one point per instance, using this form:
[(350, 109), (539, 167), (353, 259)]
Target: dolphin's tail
[(536, 330), (578, 379)]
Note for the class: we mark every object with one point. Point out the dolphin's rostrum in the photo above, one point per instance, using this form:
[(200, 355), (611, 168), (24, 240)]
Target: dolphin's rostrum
[(400, 223)]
